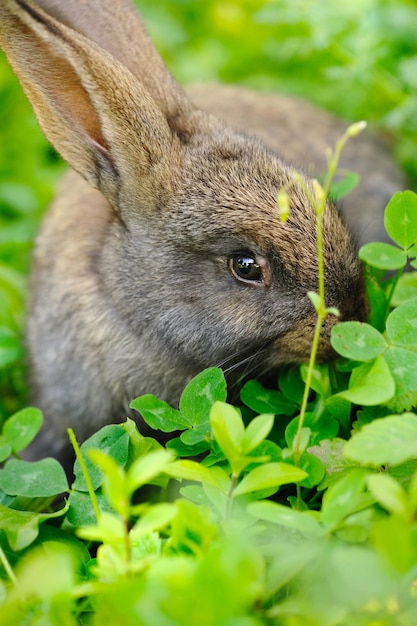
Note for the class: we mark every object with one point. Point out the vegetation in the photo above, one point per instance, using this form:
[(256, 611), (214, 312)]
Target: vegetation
[(365, 49), (290, 518), (303, 508)]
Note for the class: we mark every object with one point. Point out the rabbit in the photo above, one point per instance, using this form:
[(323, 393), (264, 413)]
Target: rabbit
[(163, 252)]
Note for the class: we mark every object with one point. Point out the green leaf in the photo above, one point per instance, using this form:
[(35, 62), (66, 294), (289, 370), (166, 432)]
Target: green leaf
[(111, 439), (406, 289), (314, 428), (378, 299), (320, 381), (291, 384), (182, 449), (257, 430), (412, 492), (155, 518), (200, 394), (267, 449), (190, 470), (289, 565), (50, 535), (357, 341), (370, 384), (159, 415), (291, 431), (387, 441), (343, 498), (196, 436), (383, 256), (148, 467), (330, 454), (341, 188), (5, 449), (22, 527), (22, 427), (339, 409), (314, 469), (315, 299), (403, 472), (109, 528), (115, 482), (192, 529), (412, 255), (228, 429), (400, 218), (270, 475), (393, 538), (403, 367), (138, 444), (40, 479), (389, 494), (402, 324), (262, 400), (81, 511), (305, 522)]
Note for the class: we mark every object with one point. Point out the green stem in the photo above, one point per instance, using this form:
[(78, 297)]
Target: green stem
[(85, 473), (313, 354), (4, 561), (319, 200), (128, 547), (230, 495), (321, 314)]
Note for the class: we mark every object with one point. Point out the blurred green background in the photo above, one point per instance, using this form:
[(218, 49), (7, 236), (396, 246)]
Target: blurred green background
[(357, 58)]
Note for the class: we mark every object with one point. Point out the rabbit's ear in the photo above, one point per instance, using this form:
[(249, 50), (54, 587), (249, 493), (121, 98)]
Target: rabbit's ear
[(91, 108), (116, 26)]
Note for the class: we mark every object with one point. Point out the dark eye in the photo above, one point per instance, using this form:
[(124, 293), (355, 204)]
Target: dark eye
[(247, 269)]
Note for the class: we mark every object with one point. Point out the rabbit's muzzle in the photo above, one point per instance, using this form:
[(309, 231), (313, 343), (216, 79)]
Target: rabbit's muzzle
[(296, 344)]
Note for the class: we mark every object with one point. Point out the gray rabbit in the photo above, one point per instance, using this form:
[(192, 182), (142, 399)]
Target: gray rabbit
[(165, 254)]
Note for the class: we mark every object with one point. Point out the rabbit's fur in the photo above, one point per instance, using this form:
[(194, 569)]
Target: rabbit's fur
[(134, 287)]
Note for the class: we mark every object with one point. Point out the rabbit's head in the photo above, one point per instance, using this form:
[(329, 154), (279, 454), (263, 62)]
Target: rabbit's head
[(180, 256)]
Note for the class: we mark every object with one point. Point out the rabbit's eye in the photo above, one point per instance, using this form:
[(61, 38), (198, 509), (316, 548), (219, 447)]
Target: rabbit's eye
[(246, 269)]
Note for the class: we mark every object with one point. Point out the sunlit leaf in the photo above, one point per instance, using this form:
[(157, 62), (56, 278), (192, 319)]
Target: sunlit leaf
[(270, 475), (357, 341), (400, 218), (390, 440), (370, 384), (38, 479), (383, 256)]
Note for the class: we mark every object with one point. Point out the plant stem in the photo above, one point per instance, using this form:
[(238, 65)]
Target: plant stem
[(85, 473), (230, 495), (313, 354), (4, 561), (128, 547), (319, 200)]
